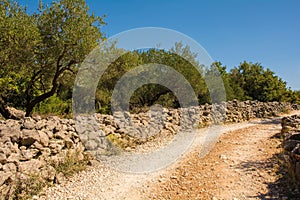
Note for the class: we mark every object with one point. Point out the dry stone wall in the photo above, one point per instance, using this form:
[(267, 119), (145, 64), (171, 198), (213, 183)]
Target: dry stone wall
[(291, 134), (35, 146)]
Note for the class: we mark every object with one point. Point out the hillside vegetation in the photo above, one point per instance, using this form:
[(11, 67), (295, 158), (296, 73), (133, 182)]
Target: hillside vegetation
[(40, 54)]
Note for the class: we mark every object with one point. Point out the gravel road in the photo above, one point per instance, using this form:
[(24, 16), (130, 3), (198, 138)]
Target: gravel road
[(103, 182)]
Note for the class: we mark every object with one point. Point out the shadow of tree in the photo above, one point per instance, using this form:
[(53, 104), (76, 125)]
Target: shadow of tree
[(267, 120), (284, 187)]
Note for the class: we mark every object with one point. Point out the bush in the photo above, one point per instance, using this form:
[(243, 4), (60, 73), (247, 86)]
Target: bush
[(54, 105)]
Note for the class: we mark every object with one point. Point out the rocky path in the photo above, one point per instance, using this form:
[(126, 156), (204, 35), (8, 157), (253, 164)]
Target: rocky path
[(241, 165)]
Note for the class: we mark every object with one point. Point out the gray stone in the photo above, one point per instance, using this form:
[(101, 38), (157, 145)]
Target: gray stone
[(14, 124), (84, 138), (91, 145), (3, 158), (29, 123), (37, 145), (56, 146), (94, 135), (60, 135), (46, 152), (68, 143), (29, 137), (48, 173), (44, 139), (70, 128), (4, 176), (41, 124), (28, 154), (13, 158), (51, 124), (11, 148), (4, 139), (10, 167), (37, 118), (60, 178), (31, 166), (49, 133), (16, 113), (5, 151), (13, 133)]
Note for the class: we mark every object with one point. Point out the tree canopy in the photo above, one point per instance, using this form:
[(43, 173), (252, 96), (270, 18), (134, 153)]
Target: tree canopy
[(252, 81), (40, 54)]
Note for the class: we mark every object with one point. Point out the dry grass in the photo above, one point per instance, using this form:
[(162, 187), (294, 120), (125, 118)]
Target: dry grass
[(72, 164), (25, 189), (34, 183)]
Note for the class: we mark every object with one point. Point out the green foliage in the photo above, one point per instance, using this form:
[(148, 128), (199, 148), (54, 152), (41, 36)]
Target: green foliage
[(151, 94), (226, 80), (245, 82), (19, 37), (54, 105), (39, 52), (292, 96), (296, 98), (252, 81), (72, 164), (32, 186)]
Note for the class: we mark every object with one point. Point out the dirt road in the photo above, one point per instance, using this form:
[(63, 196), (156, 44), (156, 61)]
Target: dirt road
[(243, 164), (240, 166)]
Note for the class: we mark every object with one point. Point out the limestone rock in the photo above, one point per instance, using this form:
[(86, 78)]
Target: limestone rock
[(29, 123), (10, 167), (19, 114), (4, 176), (48, 173), (43, 138), (3, 158), (56, 146), (31, 166), (60, 178), (28, 154), (29, 137)]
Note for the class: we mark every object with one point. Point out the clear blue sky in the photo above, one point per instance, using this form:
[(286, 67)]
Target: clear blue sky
[(264, 31)]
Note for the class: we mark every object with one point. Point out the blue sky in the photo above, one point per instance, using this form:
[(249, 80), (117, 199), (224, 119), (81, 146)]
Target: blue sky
[(264, 31)]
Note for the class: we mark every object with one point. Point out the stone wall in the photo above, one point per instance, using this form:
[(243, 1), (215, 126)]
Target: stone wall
[(35, 147), (291, 135), (230, 112)]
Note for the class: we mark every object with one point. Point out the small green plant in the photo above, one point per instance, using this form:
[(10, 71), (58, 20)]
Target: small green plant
[(72, 163), (114, 140), (29, 187), (54, 105), (124, 143), (34, 183)]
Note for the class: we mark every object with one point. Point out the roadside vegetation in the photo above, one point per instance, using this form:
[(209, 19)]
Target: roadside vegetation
[(41, 52)]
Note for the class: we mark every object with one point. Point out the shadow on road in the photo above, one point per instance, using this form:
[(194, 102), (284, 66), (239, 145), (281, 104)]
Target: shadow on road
[(270, 120), (283, 187)]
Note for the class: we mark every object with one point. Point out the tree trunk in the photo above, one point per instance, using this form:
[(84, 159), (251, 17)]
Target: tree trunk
[(39, 99)]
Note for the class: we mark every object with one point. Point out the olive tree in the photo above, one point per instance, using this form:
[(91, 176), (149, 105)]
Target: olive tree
[(43, 49)]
